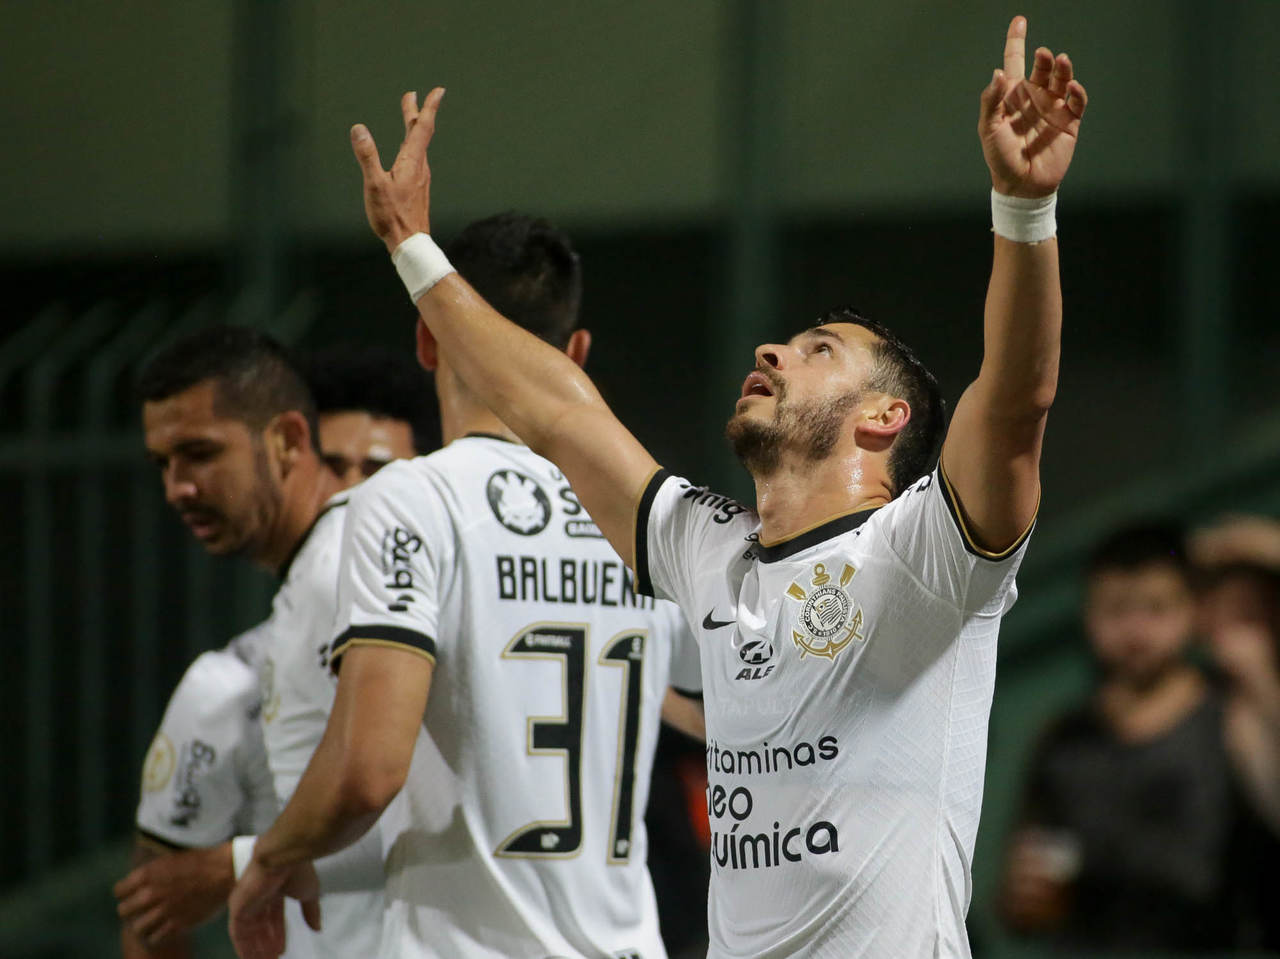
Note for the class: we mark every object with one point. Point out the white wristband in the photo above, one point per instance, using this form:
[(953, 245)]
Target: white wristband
[(242, 853), (421, 264), (1024, 219)]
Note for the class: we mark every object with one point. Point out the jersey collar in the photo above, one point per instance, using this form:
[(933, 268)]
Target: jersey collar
[(812, 537), (481, 435), (283, 571)]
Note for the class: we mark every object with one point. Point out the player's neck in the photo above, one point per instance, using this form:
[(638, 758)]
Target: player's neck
[(306, 489), (801, 494), (460, 417)]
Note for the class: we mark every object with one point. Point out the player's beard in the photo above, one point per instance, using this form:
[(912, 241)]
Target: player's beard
[(260, 514), (811, 429)]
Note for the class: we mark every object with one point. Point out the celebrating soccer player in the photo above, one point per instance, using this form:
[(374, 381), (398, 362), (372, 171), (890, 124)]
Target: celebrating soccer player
[(849, 622)]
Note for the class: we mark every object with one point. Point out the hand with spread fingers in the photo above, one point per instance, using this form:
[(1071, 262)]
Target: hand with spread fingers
[(397, 201), (1029, 125)]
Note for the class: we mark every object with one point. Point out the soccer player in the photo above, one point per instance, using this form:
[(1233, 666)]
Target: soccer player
[(206, 777), (228, 420), (475, 575), (848, 622)]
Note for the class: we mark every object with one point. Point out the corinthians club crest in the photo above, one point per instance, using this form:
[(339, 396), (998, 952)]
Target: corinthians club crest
[(828, 621)]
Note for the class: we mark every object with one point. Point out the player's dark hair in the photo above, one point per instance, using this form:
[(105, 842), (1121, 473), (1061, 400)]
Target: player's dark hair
[(255, 377), (1134, 546), (526, 269), (899, 372), (374, 379)]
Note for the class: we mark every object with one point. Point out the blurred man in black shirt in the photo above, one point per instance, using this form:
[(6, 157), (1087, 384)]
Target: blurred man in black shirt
[(1135, 832)]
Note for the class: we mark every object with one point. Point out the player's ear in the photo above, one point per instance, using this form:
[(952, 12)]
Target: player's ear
[(579, 346), (878, 425), (289, 436), (426, 348)]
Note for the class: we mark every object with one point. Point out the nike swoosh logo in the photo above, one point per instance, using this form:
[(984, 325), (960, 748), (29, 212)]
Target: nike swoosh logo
[(708, 622)]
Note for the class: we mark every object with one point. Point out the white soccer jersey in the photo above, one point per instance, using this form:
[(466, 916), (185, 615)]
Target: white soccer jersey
[(848, 675), (297, 697), (205, 778), (525, 832)]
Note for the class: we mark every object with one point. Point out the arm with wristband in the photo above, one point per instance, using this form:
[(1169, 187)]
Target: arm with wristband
[(1028, 126), (542, 395)]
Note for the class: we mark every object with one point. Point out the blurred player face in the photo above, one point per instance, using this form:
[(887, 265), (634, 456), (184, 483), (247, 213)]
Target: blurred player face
[(1139, 621), (218, 473), (356, 444), (799, 399)]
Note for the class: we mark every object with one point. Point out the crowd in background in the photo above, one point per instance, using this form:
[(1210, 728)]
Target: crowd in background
[(1151, 811)]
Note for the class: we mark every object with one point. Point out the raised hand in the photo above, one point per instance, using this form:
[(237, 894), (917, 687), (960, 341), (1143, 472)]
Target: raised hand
[(1029, 125), (397, 201)]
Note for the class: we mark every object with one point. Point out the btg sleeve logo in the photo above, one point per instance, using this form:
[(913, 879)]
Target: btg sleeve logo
[(518, 503), (398, 546)]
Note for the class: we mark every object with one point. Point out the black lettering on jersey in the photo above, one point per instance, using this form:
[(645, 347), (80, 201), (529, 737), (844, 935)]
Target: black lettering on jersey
[(569, 580), (550, 579), (570, 499), (725, 508), (506, 577), (607, 572), (529, 579), (398, 546), (197, 758)]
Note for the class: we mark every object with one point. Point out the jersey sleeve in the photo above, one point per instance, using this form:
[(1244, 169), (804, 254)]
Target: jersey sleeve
[(677, 524), (394, 547), (257, 785), (926, 530), (193, 794)]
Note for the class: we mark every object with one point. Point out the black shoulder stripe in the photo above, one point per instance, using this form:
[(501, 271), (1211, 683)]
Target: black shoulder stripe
[(953, 507), (644, 584), (396, 636)]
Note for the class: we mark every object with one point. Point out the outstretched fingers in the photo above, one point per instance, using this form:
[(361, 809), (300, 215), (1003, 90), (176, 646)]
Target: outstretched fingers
[(1063, 73), (1015, 49), (1076, 99), (409, 110), (989, 101), (1041, 68), (366, 152), (418, 131)]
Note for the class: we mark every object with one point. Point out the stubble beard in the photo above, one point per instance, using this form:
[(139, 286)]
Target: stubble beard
[(251, 540), (812, 429)]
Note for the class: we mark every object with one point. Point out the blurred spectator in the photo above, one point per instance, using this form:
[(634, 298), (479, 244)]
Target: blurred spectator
[(1136, 833), (1239, 560)]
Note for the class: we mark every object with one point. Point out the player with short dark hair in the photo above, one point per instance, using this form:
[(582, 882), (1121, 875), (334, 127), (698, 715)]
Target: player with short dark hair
[(227, 413), (528, 270), (848, 626), (475, 576), (375, 405)]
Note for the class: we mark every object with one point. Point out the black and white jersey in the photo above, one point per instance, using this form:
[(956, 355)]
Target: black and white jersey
[(524, 811), (297, 697), (848, 676), (205, 778)]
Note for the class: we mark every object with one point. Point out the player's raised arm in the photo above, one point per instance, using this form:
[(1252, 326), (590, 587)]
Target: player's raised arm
[(991, 457), (533, 387)]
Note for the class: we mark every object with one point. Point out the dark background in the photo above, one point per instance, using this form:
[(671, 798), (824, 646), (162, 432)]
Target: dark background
[(728, 171)]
